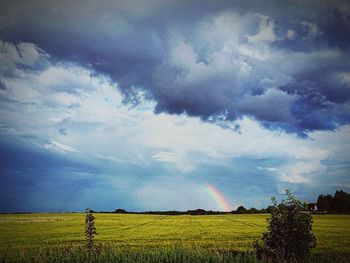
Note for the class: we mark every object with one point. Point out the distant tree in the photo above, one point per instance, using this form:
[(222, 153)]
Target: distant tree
[(197, 212), (341, 201), (289, 236), (241, 210), (263, 211), (253, 211), (120, 211), (325, 203)]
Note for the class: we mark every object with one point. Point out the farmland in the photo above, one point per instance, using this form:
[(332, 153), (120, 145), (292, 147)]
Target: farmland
[(229, 232)]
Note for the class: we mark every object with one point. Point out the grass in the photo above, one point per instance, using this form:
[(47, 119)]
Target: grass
[(157, 236), (108, 253), (230, 232), (113, 254)]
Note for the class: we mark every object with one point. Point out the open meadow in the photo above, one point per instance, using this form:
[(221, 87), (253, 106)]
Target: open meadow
[(227, 232)]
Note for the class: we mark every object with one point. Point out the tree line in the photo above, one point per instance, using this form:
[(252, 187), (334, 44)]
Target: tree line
[(339, 203)]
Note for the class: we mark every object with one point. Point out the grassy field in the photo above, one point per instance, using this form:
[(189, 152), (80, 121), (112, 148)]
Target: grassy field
[(228, 232)]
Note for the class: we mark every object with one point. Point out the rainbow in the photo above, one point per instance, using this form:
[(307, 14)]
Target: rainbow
[(214, 193)]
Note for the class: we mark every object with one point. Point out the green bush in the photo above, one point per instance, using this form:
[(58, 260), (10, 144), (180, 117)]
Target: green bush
[(90, 229), (289, 236)]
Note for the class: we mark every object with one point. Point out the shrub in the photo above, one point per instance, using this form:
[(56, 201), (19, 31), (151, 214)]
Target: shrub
[(289, 236), (90, 229)]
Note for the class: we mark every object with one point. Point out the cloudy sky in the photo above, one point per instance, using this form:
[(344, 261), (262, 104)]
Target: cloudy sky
[(145, 105)]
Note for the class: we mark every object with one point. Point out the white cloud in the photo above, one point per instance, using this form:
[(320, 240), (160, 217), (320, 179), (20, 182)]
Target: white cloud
[(270, 169), (89, 109), (59, 146), (194, 71), (165, 157), (266, 31), (222, 31), (302, 172), (102, 126)]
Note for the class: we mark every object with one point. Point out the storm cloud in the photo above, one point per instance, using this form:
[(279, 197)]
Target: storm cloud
[(117, 103), (202, 58)]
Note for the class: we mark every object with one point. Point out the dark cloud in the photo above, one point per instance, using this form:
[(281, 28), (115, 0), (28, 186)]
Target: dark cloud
[(134, 43), (27, 170), (335, 26), (2, 85), (264, 106)]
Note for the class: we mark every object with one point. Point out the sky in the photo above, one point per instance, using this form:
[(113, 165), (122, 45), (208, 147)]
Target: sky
[(172, 105)]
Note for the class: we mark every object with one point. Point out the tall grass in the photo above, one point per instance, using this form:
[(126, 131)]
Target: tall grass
[(102, 254), (114, 254)]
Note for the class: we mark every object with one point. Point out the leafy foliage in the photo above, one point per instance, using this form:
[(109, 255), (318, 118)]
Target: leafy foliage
[(340, 203), (90, 229), (289, 236)]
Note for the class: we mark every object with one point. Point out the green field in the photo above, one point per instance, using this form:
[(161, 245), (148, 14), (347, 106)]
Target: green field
[(229, 232)]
